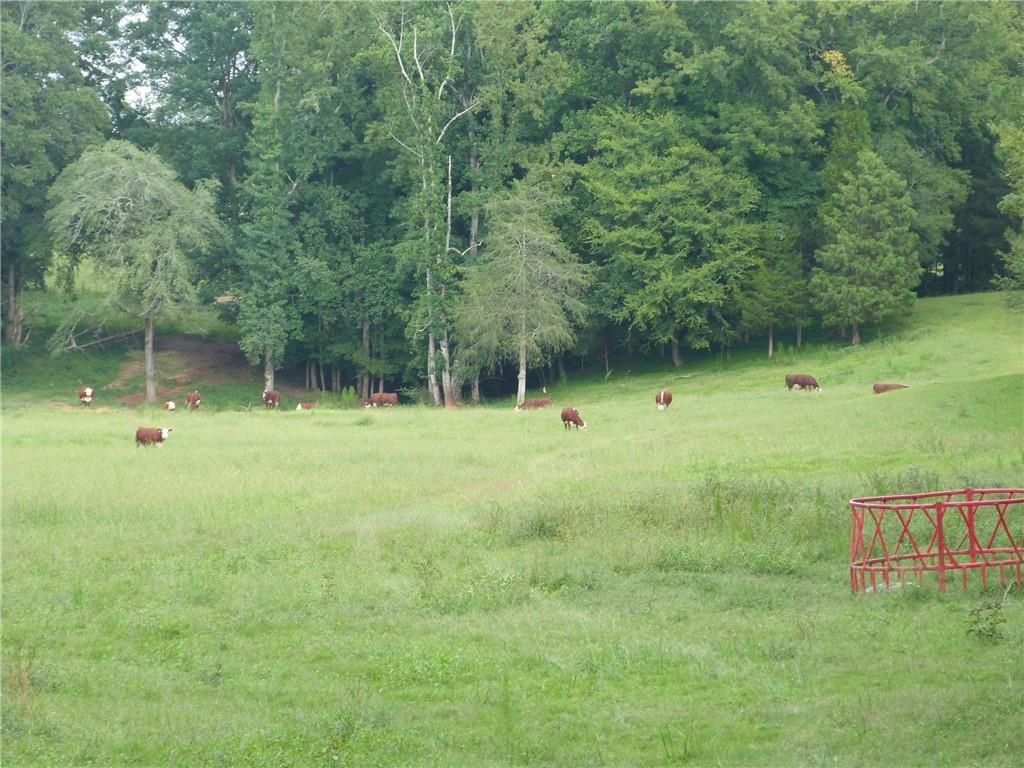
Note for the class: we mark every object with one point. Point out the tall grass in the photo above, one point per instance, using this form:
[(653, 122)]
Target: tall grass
[(480, 587)]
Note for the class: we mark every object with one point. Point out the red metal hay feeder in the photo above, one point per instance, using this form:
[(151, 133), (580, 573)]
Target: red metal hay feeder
[(945, 532)]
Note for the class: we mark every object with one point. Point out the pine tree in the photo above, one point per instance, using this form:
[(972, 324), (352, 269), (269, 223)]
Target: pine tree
[(869, 267)]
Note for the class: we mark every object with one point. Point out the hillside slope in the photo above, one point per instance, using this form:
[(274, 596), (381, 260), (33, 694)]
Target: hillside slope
[(945, 339)]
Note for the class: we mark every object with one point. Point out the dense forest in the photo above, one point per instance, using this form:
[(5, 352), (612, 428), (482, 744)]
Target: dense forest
[(417, 195)]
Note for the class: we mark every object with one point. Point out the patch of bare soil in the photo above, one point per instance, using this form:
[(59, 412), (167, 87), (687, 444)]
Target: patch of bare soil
[(187, 362)]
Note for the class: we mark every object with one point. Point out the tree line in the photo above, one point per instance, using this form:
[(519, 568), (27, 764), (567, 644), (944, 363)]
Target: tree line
[(422, 193)]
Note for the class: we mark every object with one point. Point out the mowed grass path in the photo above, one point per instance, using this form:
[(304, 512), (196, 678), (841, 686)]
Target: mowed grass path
[(480, 587)]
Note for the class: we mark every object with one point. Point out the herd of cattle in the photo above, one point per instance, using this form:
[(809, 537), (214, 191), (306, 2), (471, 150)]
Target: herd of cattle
[(570, 416)]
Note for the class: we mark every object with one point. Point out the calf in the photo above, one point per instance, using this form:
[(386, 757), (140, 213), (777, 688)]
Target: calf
[(271, 398), (570, 417), (169, 405), (194, 399), (803, 381), (383, 398), (663, 399), (151, 435), (85, 395), (880, 388), (536, 402), (305, 406)]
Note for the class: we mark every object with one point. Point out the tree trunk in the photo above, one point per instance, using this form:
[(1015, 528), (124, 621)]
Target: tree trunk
[(268, 371), (855, 339), (607, 370), (447, 380), (562, 377), (12, 298), (799, 333), (150, 362), (771, 342), (364, 378), (323, 381), (677, 357), (521, 389), (307, 375), (476, 389)]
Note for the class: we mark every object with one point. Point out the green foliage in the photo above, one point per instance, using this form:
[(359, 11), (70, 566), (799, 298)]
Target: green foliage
[(50, 115), (869, 268), (124, 208), (525, 294), (672, 225), (1011, 142)]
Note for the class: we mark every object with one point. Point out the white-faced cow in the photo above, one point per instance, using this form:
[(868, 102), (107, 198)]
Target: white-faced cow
[(880, 388), (194, 399), (663, 399), (85, 395), (802, 381), (382, 398), (170, 406), (535, 402), (151, 435), (305, 406), (271, 398), (571, 417)]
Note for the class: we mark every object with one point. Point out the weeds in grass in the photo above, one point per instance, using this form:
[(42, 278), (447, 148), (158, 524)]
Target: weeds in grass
[(986, 621)]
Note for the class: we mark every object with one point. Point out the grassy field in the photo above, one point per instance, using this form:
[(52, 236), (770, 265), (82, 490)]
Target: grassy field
[(479, 587)]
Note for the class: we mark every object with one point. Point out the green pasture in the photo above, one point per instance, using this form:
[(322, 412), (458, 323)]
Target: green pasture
[(480, 587)]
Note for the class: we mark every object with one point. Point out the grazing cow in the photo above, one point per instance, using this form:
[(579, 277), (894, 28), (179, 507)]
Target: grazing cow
[(305, 406), (383, 398), (271, 398), (194, 399), (85, 395), (663, 399), (169, 405), (151, 435), (571, 416), (535, 402), (880, 388), (803, 381)]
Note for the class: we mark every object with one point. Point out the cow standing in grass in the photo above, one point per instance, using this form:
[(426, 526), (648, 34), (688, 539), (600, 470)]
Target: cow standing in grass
[(151, 435), (85, 395), (571, 417), (271, 398), (382, 398), (663, 399), (170, 406), (194, 399), (802, 381)]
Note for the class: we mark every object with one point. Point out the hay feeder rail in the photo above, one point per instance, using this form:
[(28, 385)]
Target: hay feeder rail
[(949, 533)]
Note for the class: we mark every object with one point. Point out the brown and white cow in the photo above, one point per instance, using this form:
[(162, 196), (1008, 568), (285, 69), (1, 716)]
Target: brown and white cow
[(85, 395), (570, 417), (382, 398), (305, 406), (170, 406), (151, 435), (535, 402), (663, 399), (271, 398), (803, 381), (880, 388), (194, 399)]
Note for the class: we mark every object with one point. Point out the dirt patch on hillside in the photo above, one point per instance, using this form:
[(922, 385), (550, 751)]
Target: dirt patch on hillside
[(183, 363)]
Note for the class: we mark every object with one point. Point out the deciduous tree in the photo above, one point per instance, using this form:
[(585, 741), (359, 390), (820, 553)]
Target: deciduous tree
[(126, 209)]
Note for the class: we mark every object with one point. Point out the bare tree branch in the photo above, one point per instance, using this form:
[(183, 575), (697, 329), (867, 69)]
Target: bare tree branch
[(456, 117)]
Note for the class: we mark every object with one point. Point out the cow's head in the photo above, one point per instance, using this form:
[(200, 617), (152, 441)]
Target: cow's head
[(165, 432)]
